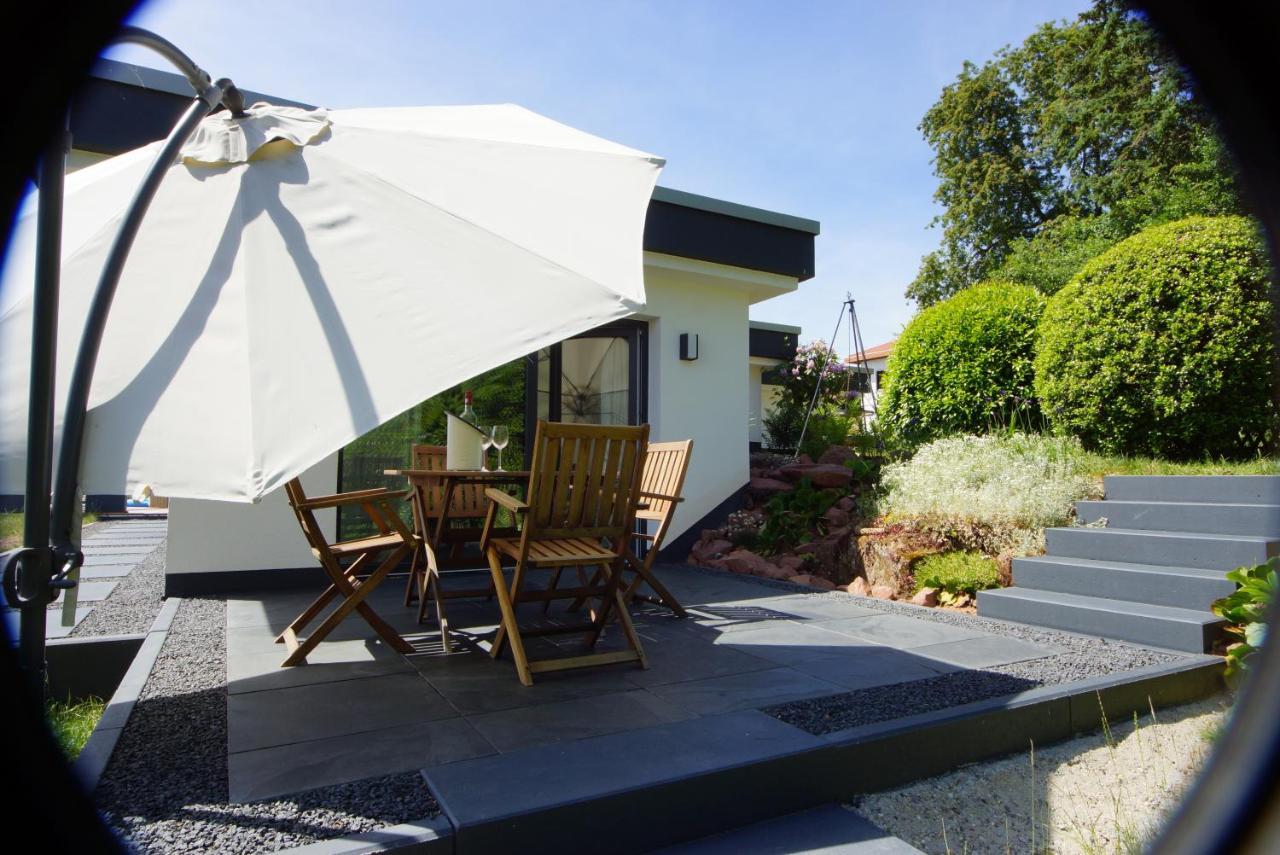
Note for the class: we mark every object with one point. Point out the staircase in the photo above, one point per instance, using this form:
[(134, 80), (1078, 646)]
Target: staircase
[(1151, 574)]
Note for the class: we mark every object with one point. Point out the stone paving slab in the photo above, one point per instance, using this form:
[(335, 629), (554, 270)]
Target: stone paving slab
[(568, 721), (323, 710), (88, 591), (830, 830), (284, 769), (106, 571), (53, 627)]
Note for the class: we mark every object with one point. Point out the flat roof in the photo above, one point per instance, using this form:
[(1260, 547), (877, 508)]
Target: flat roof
[(767, 325), (733, 209)]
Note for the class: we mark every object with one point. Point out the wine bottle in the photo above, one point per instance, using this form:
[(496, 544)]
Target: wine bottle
[(468, 412)]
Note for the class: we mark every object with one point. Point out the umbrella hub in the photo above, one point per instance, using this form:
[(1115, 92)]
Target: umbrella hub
[(226, 138)]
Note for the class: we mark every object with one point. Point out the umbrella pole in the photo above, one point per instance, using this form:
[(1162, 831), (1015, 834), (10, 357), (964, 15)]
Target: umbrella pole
[(45, 563)]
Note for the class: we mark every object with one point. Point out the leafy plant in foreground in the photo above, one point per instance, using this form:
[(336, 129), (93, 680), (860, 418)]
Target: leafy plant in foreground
[(1246, 609)]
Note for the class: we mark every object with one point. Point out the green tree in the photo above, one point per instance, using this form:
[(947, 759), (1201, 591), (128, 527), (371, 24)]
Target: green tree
[(1091, 118)]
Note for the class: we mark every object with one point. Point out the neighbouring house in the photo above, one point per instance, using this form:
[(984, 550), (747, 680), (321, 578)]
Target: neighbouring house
[(868, 374), (770, 345), (677, 365)]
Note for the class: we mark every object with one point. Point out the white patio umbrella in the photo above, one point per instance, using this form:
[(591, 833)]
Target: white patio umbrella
[(304, 276)]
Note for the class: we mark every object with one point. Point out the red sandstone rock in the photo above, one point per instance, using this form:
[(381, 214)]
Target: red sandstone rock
[(769, 485), (820, 474), (746, 561), (704, 550), (813, 581), (859, 586), (926, 597), (883, 592), (836, 517), (793, 563), (838, 454)]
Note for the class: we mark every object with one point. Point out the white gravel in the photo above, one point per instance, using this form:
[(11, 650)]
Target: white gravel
[(1101, 793)]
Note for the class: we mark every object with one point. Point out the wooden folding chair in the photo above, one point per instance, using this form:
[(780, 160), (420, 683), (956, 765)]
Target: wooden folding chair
[(394, 541), (665, 466), (583, 488), (664, 470)]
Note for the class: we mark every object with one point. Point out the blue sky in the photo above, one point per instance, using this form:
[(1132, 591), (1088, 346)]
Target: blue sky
[(809, 107)]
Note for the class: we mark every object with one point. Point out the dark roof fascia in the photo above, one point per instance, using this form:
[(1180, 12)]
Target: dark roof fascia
[(123, 106), (772, 343)]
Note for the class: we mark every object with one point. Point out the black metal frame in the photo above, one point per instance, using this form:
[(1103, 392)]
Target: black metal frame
[(50, 555), (637, 335)]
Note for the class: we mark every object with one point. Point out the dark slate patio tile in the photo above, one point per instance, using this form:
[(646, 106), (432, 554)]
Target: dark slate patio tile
[(269, 772), (751, 690), (475, 683), (323, 710), (736, 616), (53, 627), (863, 668), (566, 721), (113, 549), (674, 662), (787, 643), (340, 660), (981, 652), (485, 789), (128, 562), (901, 631), (815, 608), (829, 830)]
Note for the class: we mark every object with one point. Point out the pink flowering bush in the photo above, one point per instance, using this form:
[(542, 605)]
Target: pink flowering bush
[(815, 365)]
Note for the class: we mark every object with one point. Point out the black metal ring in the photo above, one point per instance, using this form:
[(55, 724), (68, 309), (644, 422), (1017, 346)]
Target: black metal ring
[(11, 569)]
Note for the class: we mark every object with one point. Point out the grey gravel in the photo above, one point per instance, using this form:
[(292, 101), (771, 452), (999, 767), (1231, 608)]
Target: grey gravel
[(1081, 657), (165, 789), (133, 604)]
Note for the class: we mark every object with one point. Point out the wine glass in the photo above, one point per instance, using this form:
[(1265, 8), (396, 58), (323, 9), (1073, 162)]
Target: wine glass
[(485, 443), (499, 439)]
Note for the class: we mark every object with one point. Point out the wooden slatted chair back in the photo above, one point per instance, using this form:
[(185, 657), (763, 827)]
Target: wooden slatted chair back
[(665, 467), (584, 481), (468, 499)]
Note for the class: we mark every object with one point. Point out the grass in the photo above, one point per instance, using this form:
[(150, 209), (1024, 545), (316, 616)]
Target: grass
[(73, 721), (11, 528), (1098, 465)]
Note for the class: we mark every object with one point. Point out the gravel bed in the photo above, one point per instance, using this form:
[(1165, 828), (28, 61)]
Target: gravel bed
[(165, 789), (1106, 792), (133, 603), (1080, 658)]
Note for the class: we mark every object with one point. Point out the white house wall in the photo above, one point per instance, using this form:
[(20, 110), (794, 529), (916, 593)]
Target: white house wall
[(210, 537)]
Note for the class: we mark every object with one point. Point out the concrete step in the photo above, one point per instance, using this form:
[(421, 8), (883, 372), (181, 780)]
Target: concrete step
[(1191, 630), (1180, 587), (1165, 548), (1210, 517), (1242, 489)]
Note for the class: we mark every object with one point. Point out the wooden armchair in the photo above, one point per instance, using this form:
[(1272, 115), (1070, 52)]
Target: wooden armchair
[(583, 488), (393, 543)]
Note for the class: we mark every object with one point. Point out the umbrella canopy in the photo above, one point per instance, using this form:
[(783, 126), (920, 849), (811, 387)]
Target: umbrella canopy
[(304, 276)]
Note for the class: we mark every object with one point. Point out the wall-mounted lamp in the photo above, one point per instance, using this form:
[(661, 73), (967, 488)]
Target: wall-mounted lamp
[(688, 346)]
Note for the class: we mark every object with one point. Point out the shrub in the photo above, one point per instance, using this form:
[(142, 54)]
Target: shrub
[(956, 572), (1246, 609), (1048, 260), (964, 366), (1015, 484), (792, 516), (1163, 345), (814, 363)]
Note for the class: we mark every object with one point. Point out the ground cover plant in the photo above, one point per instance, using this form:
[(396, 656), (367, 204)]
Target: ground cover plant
[(964, 365), (1246, 610), (1163, 345), (957, 573), (11, 528), (73, 721)]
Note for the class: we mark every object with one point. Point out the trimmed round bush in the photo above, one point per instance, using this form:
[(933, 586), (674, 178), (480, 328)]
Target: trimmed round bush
[(1163, 345), (964, 365)]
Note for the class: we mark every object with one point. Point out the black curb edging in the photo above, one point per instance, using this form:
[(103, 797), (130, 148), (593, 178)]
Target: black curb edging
[(93, 758), (850, 763)]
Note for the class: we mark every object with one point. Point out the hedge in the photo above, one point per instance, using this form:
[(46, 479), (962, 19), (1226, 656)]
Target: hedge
[(1163, 345), (964, 365)]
